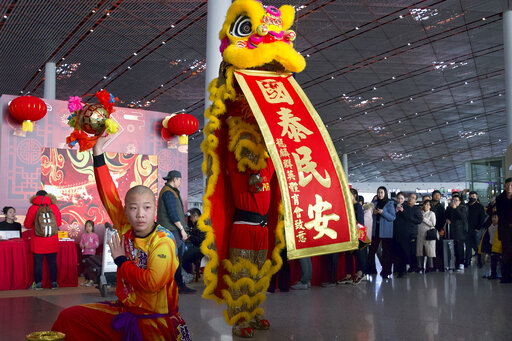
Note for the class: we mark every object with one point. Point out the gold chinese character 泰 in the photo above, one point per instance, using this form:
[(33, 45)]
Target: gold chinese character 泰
[(295, 198), (320, 222), (306, 165), (274, 91), (290, 175), (291, 125), (301, 236)]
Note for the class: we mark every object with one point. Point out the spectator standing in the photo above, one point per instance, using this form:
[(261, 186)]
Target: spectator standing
[(193, 252), (306, 273), (457, 217), (504, 211), (476, 219), (383, 217), (43, 247), (171, 215), (89, 242), (428, 222), (416, 217), (401, 237), (440, 212), (359, 256), (10, 224)]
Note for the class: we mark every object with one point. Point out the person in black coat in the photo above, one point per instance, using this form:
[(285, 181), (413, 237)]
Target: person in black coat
[(193, 252), (416, 217), (401, 236), (457, 217), (476, 219), (440, 212), (504, 211)]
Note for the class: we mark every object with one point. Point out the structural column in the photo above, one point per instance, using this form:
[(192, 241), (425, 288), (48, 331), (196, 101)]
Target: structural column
[(49, 80), (217, 10), (507, 42), (344, 163)]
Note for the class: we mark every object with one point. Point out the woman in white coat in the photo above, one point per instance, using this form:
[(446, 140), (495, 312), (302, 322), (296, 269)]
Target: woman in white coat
[(429, 222)]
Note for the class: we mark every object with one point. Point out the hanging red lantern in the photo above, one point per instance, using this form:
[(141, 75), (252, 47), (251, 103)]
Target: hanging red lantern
[(28, 109), (182, 125)]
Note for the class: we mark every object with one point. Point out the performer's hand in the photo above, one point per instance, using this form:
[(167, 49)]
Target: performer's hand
[(184, 234), (116, 246), (100, 143), (448, 221)]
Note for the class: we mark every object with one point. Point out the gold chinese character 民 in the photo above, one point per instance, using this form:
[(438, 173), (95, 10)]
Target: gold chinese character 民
[(295, 198), (306, 165), (290, 175), (274, 91), (292, 126), (297, 212), (293, 186), (320, 222), (301, 236)]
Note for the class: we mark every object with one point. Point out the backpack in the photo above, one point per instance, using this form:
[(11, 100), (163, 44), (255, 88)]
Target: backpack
[(45, 222)]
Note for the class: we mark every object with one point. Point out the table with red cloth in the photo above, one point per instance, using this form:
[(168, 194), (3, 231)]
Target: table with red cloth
[(17, 262)]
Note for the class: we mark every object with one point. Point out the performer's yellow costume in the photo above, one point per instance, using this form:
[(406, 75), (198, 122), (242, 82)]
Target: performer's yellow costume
[(242, 203)]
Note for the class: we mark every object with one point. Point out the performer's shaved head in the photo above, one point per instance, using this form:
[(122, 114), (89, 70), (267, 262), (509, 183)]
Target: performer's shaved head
[(139, 189)]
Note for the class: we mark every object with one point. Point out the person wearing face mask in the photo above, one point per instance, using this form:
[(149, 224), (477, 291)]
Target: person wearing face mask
[(457, 217), (476, 219)]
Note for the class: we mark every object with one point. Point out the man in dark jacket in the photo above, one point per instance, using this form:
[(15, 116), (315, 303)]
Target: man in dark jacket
[(416, 219), (476, 218), (457, 217), (440, 212), (504, 210), (170, 214)]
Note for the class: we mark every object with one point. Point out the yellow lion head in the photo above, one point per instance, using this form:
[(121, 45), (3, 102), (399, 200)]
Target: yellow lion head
[(258, 36)]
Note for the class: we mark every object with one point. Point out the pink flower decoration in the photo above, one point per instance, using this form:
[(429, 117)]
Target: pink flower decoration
[(74, 103)]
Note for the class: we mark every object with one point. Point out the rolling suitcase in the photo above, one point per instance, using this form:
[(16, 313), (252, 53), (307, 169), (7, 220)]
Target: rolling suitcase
[(448, 250)]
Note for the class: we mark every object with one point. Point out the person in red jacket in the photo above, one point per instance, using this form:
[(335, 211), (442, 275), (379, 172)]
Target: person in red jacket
[(43, 246)]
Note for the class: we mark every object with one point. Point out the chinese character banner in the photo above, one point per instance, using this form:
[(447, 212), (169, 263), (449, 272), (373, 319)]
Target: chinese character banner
[(319, 215)]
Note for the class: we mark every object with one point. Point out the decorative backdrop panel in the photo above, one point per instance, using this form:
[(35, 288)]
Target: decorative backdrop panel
[(21, 154)]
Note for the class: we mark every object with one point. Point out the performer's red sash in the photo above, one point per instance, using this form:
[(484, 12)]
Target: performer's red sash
[(319, 215)]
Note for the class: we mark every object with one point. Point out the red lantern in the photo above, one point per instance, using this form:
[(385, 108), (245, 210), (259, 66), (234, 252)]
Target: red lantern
[(182, 125), (27, 109)]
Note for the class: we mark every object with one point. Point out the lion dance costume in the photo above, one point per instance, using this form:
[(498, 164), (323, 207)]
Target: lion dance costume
[(242, 203)]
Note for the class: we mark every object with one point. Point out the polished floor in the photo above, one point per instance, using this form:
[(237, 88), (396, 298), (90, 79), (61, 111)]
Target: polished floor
[(435, 306)]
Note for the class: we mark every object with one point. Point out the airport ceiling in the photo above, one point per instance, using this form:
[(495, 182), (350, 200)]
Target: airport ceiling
[(410, 90)]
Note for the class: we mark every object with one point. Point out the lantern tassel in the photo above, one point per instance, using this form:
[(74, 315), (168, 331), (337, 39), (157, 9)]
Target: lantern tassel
[(183, 140), (27, 126), (111, 125)]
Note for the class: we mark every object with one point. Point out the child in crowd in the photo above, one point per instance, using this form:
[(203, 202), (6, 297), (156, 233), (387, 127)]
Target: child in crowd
[(89, 242), (495, 249), (145, 254)]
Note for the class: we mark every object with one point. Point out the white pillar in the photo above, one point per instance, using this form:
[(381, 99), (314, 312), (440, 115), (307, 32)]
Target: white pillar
[(344, 163), (49, 80), (217, 10), (507, 42)]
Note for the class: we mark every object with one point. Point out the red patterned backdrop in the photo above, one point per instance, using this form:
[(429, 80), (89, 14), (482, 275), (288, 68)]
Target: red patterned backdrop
[(21, 157)]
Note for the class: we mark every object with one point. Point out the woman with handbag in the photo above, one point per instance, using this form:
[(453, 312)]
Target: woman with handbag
[(426, 239)]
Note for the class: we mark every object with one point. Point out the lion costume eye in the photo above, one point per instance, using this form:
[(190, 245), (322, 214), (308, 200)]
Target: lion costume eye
[(242, 27)]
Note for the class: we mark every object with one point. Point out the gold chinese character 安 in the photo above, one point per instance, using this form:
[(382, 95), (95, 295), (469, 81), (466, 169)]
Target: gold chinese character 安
[(320, 221)]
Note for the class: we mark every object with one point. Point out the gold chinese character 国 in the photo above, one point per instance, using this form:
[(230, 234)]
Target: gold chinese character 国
[(274, 91)]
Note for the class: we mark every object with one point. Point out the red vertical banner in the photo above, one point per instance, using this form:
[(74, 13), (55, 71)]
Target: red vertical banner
[(319, 215)]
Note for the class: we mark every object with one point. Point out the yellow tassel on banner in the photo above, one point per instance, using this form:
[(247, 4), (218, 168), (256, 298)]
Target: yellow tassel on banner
[(27, 126)]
